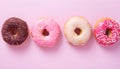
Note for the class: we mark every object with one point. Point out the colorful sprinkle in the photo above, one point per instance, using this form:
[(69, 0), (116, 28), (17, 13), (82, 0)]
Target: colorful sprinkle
[(107, 32)]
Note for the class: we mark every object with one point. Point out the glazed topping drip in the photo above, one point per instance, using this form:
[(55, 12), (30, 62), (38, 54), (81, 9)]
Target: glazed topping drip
[(78, 31), (45, 32)]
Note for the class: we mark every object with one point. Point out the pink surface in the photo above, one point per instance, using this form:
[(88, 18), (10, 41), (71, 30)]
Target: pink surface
[(63, 56)]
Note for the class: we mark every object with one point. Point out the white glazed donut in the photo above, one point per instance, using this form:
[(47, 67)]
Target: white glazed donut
[(77, 30)]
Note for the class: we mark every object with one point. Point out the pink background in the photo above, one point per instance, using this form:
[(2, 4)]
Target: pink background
[(63, 56)]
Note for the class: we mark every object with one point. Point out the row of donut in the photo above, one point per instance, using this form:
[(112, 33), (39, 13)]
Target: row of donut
[(46, 31)]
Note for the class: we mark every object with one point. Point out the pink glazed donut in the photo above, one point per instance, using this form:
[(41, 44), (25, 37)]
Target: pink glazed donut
[(107, 31), (46, 32)]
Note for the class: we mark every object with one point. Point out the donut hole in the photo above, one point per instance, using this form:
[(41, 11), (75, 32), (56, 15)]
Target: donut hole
[(108, 32), (78, 31), (14, 31), (45, 32)]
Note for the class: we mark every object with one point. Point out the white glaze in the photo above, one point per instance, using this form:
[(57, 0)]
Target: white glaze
[(71, 25)]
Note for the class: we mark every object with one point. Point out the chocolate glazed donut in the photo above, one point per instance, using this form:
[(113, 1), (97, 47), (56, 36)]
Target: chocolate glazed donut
[(14, 31)]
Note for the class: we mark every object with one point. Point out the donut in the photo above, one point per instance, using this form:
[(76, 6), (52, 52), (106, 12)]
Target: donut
[(45, 32), (107, 31), (77, 30), (14, 31)]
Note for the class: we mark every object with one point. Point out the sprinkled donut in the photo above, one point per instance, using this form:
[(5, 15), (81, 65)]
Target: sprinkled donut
[(46, 32), (14, 31), (107, 31), (77, 30)]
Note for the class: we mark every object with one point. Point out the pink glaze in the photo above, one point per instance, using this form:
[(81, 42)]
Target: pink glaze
[(100, 30), (52, 27)]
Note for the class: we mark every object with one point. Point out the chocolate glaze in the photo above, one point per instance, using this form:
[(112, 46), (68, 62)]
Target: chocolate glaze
[(14, 31)]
